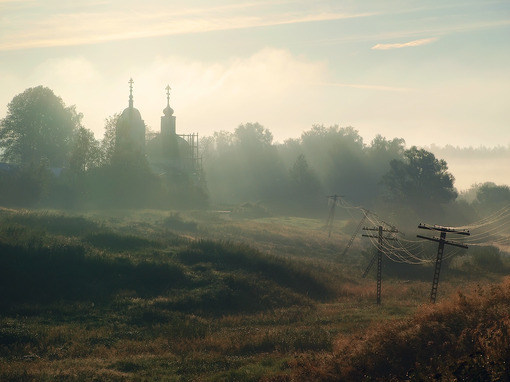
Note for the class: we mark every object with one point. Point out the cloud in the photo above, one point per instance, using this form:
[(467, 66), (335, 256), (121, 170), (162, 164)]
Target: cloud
[(368, 87), (423, 41), (54, 26), (272, 86)]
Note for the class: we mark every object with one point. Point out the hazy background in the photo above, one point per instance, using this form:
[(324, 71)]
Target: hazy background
[(431, 73)]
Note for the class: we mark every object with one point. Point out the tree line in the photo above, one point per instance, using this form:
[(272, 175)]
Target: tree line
[(51, 159)]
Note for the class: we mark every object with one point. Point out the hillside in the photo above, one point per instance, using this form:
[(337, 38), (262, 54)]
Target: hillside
[(464, 338), (210, 296)]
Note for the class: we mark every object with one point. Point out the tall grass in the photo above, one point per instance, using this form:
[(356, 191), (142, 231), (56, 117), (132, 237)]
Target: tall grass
[(464, 338)]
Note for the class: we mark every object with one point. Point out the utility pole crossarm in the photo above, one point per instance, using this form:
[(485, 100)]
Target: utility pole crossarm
[(449, 242), (393, 230), (444, 229), (377, 237)]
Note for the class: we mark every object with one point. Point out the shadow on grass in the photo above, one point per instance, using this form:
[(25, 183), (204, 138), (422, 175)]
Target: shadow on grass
[(45, 274), (206, 278), (117, 242), (235, 257), (53, 223)]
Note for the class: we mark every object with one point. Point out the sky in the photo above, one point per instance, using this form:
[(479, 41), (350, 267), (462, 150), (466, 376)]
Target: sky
[(434, 72)]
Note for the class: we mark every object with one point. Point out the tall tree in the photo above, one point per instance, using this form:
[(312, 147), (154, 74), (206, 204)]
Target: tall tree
[(85, 151), (420, 178), (108, 141), (306, 189), (338, 156), (490, 194), (38, 126)]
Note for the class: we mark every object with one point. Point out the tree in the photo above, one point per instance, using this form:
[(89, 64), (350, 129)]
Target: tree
[(243, 165), (252, 135), (85, 151), (25, 186), (338, 156), (108, 141), (420, 179), (38, 126), (490, 194), (306, 189)]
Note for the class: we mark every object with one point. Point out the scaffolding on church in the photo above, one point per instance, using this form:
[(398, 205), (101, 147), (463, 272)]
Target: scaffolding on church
[(193, 157)]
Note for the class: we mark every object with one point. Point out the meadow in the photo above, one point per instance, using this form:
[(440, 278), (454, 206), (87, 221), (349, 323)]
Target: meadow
[(234, 296)]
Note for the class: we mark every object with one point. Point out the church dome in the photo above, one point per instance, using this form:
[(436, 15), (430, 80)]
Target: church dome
[(131, 113), (130, 128), (168, 110)]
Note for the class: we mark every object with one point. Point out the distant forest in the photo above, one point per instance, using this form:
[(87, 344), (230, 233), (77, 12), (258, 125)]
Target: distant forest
[(471, 152), (51, 160)]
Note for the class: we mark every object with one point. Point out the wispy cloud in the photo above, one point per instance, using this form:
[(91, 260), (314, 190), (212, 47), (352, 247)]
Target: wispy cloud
[(54, 27), (423, 41), (366, 86)]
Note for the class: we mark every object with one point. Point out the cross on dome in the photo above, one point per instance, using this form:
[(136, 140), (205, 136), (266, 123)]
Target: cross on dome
[(168, 88), (131, 82)]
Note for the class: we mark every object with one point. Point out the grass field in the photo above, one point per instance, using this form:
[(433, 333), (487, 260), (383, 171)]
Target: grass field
[(205, 296)]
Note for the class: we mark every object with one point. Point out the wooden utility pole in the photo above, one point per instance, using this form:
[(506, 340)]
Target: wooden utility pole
[(360, 224), (380, 238), (439, 259), (334, 199)]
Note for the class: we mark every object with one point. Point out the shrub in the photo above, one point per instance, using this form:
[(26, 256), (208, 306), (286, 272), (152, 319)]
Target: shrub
[(465, 338), (488, 258)]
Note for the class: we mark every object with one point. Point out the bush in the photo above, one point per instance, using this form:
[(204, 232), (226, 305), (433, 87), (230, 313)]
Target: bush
[(488, 258), (465, 338)]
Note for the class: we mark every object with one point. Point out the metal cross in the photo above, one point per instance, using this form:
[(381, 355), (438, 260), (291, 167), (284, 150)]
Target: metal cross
[(168, 88), (130, 82)]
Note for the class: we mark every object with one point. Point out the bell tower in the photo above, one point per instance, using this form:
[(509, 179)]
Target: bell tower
[(168, 132)]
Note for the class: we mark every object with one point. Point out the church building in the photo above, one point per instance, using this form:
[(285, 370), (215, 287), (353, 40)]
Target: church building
[(169, 154)]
